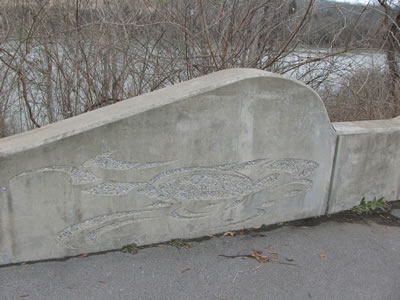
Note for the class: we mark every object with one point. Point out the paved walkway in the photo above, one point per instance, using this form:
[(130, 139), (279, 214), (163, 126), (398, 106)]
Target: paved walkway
[(332, 260)]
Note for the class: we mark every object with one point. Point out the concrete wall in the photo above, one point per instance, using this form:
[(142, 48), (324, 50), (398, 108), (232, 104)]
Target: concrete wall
[(234, 149), (367, 163)]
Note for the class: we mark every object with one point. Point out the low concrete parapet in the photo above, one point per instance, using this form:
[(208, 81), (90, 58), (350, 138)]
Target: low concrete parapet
[(234, 149), (367, 163)]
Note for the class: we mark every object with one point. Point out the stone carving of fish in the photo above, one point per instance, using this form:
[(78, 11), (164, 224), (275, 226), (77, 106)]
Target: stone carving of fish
[(224, 192)]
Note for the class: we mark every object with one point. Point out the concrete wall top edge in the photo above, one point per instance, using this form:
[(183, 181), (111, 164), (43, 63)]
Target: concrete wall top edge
[(93, 119), (365, 127)]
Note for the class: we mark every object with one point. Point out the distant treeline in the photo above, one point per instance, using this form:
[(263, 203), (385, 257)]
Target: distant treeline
[(331, 24), (337, 24)]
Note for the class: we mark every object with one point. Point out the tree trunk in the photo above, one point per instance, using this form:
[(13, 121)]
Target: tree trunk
[(393, 66)]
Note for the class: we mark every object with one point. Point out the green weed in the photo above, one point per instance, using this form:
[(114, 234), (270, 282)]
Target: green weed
[(367, 207), (132, 249)]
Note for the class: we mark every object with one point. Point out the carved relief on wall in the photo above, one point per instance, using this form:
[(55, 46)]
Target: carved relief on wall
[(223, 194)]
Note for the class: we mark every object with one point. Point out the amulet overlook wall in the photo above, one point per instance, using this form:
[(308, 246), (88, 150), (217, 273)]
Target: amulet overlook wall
[(234, 149)]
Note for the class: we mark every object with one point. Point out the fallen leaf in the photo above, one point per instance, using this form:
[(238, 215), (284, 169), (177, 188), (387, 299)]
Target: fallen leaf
[(242, 233), (229, 233), (212, 236), (323, 255), (185, 270), (271, 252), (257, 227), (275, 262), (84, 255), (188, 245), (24, 263), (260, 258)]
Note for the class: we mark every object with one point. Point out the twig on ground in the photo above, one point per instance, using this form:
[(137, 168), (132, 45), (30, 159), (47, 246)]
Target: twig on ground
[(237, 273)]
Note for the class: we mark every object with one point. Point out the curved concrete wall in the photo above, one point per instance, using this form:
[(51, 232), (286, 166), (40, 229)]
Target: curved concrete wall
[(234, 149)]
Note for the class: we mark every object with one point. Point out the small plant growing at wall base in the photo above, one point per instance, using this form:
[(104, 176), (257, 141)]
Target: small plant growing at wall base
[(367, 207), (132, 249)]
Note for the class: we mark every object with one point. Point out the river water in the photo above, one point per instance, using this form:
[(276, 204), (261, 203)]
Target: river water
[(333, 71), (304, 65)]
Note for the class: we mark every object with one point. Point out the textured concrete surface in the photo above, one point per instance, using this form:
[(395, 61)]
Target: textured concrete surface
[(367, 163), (396, 213), (230, 150), (333, 261)]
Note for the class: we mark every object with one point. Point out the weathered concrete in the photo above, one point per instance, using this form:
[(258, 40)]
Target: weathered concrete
[(339, 261), (396, 213), (230, 150), (234, 149), (367, 163)]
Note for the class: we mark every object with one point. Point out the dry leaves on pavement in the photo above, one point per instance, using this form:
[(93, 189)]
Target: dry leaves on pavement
[(260, 258), (231, 233)]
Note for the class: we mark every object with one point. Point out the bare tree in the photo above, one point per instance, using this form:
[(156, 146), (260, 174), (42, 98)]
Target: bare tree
[(392, 40), (61, 58)]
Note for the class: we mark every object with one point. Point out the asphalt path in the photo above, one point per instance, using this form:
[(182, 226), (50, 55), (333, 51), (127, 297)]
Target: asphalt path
[(329, 259)]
